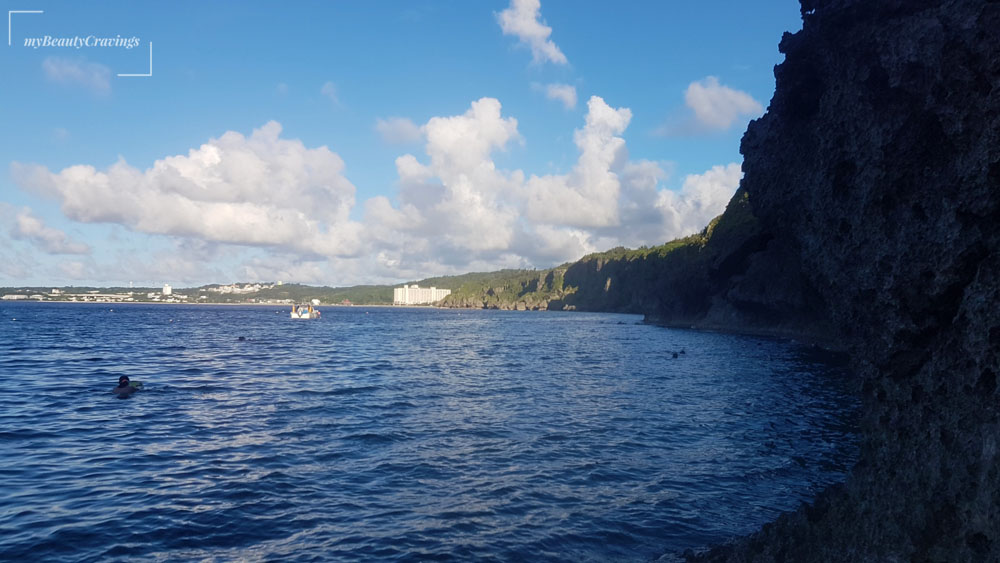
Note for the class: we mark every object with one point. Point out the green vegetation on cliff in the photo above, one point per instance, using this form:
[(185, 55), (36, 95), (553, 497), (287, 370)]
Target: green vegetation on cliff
[(510, 289), (673, 282), (720, 277)]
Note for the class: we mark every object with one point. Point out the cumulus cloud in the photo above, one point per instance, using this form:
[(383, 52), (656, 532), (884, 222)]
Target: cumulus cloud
[(701, 198), (259, 190), (277, 268), (459, 208), (523, 20), (588, 196), (561, 93), (716, 106), (53, 241), (77, 72), (458, 197), (266, 207), (398, 130)]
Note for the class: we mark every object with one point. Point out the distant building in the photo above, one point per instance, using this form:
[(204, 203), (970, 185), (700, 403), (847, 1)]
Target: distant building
[(13, 296), (235, 288), (167, 289), (416, 295)]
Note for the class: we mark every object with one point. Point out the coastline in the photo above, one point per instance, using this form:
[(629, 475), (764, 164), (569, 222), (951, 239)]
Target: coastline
[(194, 304)]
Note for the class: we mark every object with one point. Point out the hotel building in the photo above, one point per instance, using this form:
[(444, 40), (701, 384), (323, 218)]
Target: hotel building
[(416, 295)]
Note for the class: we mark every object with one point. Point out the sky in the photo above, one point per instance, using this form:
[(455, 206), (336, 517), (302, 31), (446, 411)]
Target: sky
[(356, 142)]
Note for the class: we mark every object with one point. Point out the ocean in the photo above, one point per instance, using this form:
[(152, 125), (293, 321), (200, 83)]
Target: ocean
[(401, 434)]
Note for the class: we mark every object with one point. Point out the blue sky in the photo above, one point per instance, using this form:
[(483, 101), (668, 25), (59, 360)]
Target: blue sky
[(368, 142)]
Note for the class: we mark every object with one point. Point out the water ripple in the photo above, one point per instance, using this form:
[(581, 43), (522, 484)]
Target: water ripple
[(400, 435)]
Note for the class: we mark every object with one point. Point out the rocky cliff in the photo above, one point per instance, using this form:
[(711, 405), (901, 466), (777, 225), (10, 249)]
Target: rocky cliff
[(869, 214), (734, 275), (878, 164)]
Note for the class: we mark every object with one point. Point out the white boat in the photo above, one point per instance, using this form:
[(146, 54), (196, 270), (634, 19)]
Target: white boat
[(305, 312)]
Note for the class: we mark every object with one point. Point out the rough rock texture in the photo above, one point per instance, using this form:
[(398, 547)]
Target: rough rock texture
[(733, 276), (879, 162)]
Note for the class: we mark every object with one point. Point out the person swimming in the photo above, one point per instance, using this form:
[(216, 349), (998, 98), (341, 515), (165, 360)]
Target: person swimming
[(125, 387)]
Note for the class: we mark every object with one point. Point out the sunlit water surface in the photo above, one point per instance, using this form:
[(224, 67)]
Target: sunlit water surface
[(400, 434)]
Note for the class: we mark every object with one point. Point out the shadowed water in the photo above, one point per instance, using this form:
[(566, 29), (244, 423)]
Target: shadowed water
[(400, 434)]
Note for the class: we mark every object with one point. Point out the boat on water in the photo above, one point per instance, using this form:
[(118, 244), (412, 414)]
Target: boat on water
[(305, 312)]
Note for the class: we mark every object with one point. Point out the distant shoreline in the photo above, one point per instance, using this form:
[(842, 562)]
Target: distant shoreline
[(282, 305), (279, 305)]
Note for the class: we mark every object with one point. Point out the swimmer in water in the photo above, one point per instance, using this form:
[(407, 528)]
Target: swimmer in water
[(125, 388)]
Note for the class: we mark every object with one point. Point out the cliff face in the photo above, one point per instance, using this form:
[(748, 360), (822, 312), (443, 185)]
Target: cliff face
[(869, 215), (735, 275), (879, 162)]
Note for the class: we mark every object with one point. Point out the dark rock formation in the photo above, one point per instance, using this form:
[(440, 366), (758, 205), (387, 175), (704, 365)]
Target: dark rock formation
[(748, 280), (869, 214), (734, 275), (878, 167)]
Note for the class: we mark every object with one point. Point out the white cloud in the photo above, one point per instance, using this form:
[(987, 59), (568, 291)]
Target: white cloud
[(523, 20), (92, 76), (259, 190), (272, 268), (266, 207), (458, 197), (398, 130), (329, 90), (716, 106), (53, 241), (563, 93), (588, 196), (459, 208), (701, 198), (76, 270), (461, 143), (15, 266)]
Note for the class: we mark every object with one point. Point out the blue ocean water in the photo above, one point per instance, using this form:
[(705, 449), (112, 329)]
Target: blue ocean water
[(389, 434)]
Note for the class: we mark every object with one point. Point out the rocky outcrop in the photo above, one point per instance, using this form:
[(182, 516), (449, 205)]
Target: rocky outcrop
[(869, 215), (508, 290), (747, 279), (734, 275), (878, 162)]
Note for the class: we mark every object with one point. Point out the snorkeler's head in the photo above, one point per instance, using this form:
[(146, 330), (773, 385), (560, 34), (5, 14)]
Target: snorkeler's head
[(123, 381)]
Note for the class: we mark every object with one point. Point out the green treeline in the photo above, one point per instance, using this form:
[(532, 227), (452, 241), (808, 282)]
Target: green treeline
[(730, 262), (675, 279)]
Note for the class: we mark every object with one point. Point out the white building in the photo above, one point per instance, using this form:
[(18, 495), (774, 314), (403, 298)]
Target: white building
[(166, 289), (416, 295)]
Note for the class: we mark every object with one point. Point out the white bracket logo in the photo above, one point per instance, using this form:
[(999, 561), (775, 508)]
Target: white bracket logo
[(150, 73), (10, 14)]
